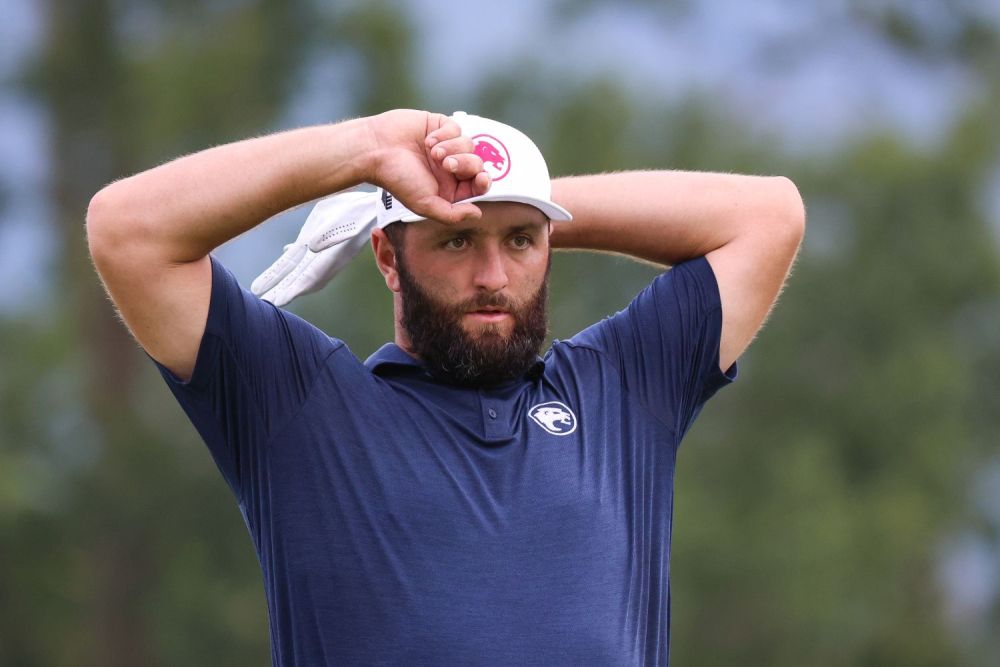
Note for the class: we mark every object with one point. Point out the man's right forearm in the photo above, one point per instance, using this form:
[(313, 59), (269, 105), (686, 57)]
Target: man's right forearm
[(184, 209)]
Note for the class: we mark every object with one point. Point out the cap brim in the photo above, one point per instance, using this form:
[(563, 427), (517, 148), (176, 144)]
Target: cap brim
[(551, 210)]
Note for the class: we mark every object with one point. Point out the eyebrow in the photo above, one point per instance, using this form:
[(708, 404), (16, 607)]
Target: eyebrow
[(471, 232)]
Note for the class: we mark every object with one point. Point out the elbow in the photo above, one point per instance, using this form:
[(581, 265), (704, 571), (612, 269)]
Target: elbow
[(105, 225), (98, 210), (792, 209), (98, 225)]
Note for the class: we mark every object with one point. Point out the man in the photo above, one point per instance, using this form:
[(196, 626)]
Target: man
[(455, 499)]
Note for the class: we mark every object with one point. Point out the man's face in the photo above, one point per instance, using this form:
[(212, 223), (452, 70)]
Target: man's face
[(449, 275)]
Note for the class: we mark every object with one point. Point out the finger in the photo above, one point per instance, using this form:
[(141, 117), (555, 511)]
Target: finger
[(448, 130), (275, 273), (441, 210), (463, 166), (274, 297), (452, 147), (277, 295), (481, 183), (474, 187), (283, 292)]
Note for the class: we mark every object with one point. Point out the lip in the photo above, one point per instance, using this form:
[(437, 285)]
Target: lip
[(489, 317)]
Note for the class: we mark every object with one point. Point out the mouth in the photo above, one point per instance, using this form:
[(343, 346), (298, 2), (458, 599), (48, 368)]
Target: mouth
[(489, 315)]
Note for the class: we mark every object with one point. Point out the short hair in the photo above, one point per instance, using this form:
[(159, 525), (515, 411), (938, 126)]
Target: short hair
[(396, 233)]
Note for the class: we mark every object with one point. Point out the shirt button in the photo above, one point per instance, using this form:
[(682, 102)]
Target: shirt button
[(493, 413)]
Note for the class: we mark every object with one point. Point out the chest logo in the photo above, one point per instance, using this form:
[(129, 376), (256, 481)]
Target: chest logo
[(554, 417)]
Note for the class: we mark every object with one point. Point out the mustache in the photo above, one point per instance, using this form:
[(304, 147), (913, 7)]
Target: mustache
[(494, 304)]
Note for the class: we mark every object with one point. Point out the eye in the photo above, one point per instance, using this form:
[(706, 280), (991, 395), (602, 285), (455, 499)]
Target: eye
[(526, 239), (448, 243)]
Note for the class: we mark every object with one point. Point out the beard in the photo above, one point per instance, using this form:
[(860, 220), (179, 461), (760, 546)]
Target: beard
[(453, 354)]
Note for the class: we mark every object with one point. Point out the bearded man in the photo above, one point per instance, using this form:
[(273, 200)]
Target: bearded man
[(455, 499)]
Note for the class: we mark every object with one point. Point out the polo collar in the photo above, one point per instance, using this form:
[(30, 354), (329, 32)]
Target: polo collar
[(391, 356)]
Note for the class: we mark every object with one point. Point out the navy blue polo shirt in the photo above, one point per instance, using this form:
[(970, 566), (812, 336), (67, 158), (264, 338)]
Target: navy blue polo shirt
[(402, 520)]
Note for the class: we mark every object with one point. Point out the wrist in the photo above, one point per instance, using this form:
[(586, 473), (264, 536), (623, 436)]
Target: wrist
[(558, 235), (392, 136), (345, 152), (561, 233), (369, 150)]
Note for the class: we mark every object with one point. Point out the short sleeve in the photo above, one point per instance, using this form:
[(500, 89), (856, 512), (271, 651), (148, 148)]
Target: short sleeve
[(255, 366), (665, 343)]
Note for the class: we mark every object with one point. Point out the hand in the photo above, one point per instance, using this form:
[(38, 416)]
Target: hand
[(300, 270), (425, 162)]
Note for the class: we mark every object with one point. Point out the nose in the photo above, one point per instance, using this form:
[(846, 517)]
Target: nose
[(490, 272)]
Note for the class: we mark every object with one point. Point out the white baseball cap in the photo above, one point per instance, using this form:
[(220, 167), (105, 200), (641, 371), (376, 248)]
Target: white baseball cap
[(513, 161)]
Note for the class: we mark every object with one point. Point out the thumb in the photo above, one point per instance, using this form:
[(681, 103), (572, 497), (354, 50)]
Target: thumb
[(444, 211)]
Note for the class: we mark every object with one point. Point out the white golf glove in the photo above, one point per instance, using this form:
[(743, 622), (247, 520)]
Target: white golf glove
[(336, 231)]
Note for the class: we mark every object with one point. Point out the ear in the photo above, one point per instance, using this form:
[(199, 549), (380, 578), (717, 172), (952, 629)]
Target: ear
[(385, 257)]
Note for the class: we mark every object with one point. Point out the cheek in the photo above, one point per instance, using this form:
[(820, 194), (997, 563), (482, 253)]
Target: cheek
[(535, 274), (440, 290)]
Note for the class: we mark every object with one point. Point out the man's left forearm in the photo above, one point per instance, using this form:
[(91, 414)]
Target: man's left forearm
[(667, 217)]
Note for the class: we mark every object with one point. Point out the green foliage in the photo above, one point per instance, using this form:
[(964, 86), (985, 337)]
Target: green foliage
[(811, 506), (813, 497)]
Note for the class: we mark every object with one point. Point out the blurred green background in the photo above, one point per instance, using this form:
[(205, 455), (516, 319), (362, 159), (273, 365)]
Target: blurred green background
[(839, 505)]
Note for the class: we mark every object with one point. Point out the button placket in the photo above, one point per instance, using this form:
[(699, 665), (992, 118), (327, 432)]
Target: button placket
[(495, 424)]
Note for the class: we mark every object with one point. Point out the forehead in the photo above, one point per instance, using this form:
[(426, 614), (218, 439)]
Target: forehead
[(498, 218)]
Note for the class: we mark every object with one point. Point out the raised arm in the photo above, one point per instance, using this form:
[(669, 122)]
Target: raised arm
[(749, 228), (150, 234)]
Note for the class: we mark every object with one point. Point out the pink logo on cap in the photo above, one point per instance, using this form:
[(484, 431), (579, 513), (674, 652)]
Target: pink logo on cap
[(494, 154)]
